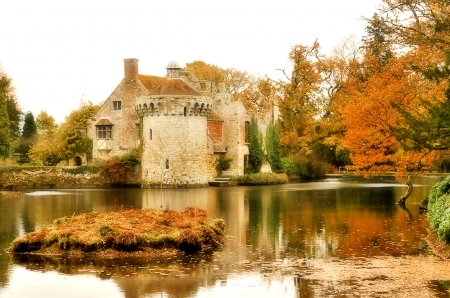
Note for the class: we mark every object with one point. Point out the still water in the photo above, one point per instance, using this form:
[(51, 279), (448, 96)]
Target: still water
[(334, 219)]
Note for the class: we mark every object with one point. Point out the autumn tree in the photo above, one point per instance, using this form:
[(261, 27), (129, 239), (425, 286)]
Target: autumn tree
[(70, 137), (334, 69), (311, 126), (300, 94), (45, 123), (205, 71), (234, 80), (381, 91), (414, 23), (423, 27), (261, 98)]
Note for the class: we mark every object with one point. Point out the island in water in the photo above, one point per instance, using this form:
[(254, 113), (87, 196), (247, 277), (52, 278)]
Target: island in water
[(125, 233)]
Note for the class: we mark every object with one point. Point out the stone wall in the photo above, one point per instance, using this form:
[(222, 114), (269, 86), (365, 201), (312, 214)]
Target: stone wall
[(174, 142), (124, 132), (235, 116)]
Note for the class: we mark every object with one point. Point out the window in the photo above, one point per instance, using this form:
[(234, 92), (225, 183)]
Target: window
[(104, 131), (117, 105), (167, 164), (185, 111), (150, 135)]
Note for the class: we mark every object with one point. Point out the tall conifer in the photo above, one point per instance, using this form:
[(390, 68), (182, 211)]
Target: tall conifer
[(256, 154), (273, 147)]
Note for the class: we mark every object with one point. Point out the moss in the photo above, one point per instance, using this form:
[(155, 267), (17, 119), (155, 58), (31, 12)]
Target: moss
[(160, 241)]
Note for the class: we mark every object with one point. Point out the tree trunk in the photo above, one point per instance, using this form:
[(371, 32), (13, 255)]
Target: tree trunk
[(407, 194)]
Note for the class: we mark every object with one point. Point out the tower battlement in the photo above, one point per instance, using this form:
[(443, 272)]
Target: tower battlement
[(174, 106)]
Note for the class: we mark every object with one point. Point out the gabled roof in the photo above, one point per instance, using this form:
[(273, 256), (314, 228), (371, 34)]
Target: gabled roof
[(174, 87)]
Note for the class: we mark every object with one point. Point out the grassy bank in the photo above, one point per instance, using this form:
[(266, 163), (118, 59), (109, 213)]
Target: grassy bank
[(87, 176), (23, 177), (128, 232), (439, 209), (260, 179)]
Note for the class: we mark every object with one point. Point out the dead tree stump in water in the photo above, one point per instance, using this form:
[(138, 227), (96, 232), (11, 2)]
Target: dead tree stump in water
[(406, 195)]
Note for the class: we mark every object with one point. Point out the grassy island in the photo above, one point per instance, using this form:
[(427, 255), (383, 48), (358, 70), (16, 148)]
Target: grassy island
[(128, 233)]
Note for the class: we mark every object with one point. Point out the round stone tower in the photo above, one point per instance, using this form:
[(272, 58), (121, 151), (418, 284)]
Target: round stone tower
[(173, 130)]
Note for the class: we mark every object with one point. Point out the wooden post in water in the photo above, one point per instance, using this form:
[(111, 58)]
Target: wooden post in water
[(406, 195)]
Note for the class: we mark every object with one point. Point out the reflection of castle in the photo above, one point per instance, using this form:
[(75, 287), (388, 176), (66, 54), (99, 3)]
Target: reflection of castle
[(183, 124)]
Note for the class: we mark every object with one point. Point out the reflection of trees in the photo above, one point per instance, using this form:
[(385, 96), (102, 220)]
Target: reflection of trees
[(347, 222), (272, 219), (9, 230), (264, 220)]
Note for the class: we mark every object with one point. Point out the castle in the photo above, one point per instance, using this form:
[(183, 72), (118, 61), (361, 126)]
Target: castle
[(183, 125)]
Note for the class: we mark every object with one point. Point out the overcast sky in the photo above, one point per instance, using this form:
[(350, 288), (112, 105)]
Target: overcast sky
[(58, 51)]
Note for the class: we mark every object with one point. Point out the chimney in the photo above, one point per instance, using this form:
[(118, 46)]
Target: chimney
[(131, 68)]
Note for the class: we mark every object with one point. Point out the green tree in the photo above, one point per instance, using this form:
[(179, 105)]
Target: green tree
[(273, 147), (256, 154), (29, 126), (5, 134), (12, 105), (29, 136)]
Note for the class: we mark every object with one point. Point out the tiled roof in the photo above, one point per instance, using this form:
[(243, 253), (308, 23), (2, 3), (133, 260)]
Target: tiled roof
[(151, 82), (213, 116), (174, 87)]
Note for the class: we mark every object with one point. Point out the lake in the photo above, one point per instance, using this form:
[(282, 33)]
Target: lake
[(277, 236)]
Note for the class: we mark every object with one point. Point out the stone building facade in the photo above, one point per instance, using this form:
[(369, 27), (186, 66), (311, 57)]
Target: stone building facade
[(183, 126)]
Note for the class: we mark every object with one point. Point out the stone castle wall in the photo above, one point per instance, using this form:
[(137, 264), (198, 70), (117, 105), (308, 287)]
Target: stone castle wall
[(235, 116), (174, 139)]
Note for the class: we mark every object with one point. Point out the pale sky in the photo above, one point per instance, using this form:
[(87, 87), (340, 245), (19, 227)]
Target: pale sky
[(57, 51)]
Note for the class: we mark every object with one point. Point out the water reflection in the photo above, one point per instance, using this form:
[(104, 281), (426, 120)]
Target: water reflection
[(335, 219)]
